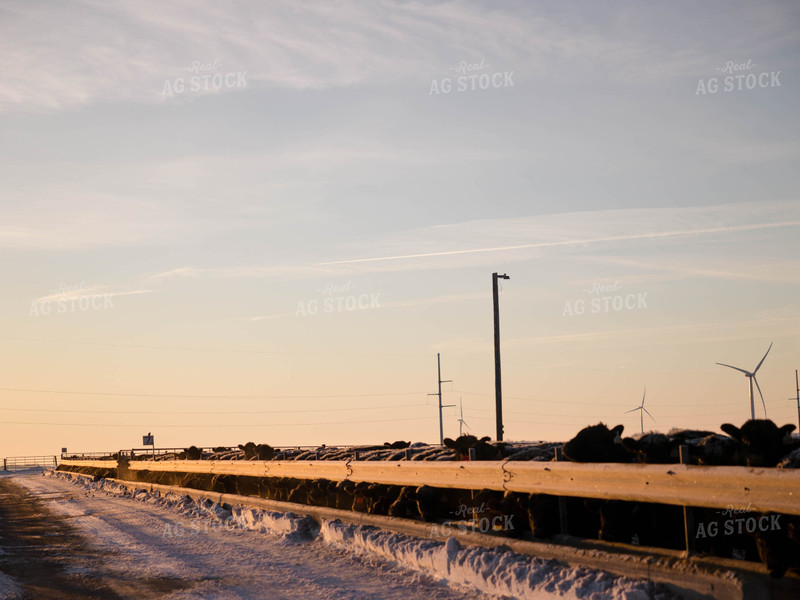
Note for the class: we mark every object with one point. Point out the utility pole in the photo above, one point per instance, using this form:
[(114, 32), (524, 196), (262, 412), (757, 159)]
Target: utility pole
[(439, 393), (497, 385), (797, 384)]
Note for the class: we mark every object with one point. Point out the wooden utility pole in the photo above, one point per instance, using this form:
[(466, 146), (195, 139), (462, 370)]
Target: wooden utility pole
[(498, 392), (439, 393), (797, 385)]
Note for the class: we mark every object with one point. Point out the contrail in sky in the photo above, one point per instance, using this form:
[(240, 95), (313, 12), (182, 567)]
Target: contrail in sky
[(572, 242)]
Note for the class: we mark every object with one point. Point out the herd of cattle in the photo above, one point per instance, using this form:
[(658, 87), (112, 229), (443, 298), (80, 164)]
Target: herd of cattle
[(734, 533)]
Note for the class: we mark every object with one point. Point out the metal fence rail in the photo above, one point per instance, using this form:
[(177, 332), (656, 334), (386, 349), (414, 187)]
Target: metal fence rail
[(143, 453), (87, 455), (762, 489), (18, 463), (95, 464)]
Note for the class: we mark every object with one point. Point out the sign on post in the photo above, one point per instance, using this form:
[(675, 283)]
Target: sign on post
[(147, 440)]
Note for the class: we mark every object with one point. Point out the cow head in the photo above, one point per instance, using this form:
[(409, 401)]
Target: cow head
[(249, 450), (265, 452), (597, 443), (483, 449), (193, 453), (762, 442)]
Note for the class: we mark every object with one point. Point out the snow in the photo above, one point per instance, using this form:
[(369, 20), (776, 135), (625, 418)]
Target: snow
[(432, 568), (496, 572), (416, 451), (129, 532)]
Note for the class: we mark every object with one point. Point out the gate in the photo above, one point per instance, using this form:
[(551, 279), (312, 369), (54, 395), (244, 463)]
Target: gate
[(19, 463)]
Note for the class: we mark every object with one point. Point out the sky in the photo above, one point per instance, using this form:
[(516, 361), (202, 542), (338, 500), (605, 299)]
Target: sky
[(225, 222)]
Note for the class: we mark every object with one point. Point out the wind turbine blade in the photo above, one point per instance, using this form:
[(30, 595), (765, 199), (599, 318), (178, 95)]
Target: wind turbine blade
[(737, 368), (648, 414), (467, 425), (644, 394), (760, 394), (631, 410), (762, 360)]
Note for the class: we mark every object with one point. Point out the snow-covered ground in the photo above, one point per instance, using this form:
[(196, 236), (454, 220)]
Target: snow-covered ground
[(250, 553)]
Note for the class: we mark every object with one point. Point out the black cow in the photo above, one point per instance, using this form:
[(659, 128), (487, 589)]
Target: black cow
[(658, 448), (717, 450), (399, 445), (763, 443), (617, 520), (440, 504), (405, 505), (343, 495), (779, 547), (260, 451), (598, 443), (193, 453), (653, 448), (483, 449)]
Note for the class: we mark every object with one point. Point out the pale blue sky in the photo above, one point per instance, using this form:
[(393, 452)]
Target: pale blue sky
[(210, 216)]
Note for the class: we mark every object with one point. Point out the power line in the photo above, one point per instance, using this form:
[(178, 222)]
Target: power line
[(207, 412), (282, 352), (216, 425), (539, 422), (606, 415), (206, 396), (586, 403)]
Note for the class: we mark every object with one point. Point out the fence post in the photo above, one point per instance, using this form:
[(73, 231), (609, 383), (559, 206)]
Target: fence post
[(688, 516), (5, 466), (562, 503), (408, 454)]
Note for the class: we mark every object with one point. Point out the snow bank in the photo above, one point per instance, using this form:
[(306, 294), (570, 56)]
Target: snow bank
[(287, 525), (497, 572)]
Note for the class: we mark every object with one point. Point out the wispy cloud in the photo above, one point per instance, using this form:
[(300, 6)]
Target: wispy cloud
[(88, 292), (55, 56), (687, 266), (770, 325)]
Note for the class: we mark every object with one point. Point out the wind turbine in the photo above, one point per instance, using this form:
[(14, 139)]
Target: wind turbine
[(461, 420), (642, 410), (752, 378)]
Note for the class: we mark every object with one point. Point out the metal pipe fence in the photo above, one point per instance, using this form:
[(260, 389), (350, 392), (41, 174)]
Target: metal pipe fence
[(20, 463)]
